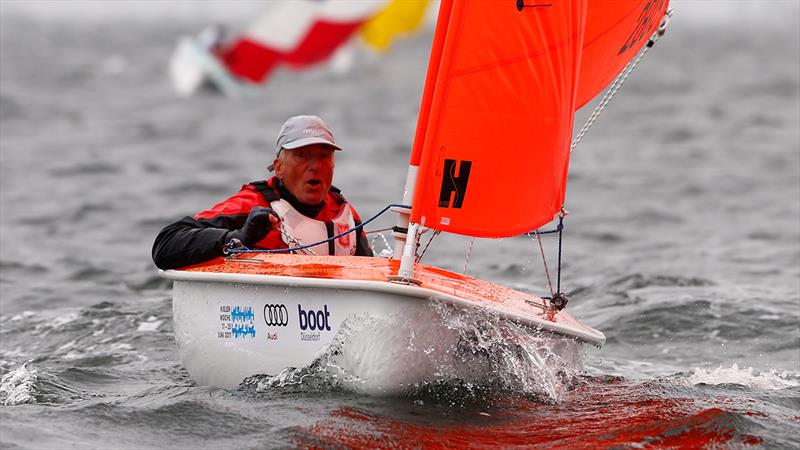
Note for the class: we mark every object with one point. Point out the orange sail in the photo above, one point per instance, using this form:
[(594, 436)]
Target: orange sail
[(503, 82), (430, 80), (496, 145), (615, 31)]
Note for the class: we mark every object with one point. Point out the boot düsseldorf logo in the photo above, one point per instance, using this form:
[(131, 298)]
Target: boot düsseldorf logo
[(313, 322)]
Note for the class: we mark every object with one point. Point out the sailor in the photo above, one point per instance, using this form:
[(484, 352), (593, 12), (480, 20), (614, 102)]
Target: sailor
[(297, 206)]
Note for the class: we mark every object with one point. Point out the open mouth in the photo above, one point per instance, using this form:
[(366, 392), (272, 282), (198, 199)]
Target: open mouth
[(314, 182)]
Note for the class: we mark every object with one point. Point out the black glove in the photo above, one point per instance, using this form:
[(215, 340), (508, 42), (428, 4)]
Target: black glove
[(255, 228)]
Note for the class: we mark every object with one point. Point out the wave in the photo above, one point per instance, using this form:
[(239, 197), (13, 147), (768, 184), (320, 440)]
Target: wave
[(746, 376), (648, 308), (602, 412), (472, 353), (103, 335), (28, 384), (81, 169)]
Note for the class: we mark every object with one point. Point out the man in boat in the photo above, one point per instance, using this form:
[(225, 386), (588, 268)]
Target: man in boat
[(298, 205)]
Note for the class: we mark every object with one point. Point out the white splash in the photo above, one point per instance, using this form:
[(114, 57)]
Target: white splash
[(150, 325), (396, 356), (23, 315), (17, 386), (771, 380), (63, 320)]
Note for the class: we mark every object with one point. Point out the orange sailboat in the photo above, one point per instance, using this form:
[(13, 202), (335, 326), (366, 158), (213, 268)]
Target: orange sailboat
[(494, 133)]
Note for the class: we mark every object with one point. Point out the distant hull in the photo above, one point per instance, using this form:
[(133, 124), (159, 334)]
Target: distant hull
[(193, 67), (234, 319)]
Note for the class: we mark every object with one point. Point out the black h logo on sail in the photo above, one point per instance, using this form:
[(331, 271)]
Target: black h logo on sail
[(452, 183)]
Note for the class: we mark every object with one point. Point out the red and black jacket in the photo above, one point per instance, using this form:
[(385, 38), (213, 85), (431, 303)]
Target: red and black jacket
[(193, 240)]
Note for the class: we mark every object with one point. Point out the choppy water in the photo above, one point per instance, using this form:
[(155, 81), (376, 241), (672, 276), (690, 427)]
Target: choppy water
[(683, 246)]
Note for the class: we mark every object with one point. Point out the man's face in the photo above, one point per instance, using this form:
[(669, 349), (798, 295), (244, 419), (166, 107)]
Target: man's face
[(307, 172)]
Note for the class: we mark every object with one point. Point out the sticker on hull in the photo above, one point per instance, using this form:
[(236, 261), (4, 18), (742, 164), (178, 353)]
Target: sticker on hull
[(236, 322), (313, 322)]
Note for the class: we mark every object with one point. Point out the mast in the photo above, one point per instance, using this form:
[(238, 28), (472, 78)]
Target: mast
[(402, 228)]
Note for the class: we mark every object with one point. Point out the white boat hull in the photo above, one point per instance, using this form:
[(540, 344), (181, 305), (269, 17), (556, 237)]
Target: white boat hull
[(216, 353), (192, 66), (229, 326)]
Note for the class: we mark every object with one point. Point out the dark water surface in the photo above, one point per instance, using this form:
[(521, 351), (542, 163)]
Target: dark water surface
[(682, 246)]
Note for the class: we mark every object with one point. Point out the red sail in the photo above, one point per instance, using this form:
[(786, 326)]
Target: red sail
[(430, 79), (496, 146), (495, 124), (615, 31), (297, 33)]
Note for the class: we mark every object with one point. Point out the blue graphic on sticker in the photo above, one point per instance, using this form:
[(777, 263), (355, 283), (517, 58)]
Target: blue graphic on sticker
[(239, 314), (243, 331)]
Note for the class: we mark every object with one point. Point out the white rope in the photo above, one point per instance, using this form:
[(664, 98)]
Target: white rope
[(425, 249), (385, 242), (619, 80), (469, 252)]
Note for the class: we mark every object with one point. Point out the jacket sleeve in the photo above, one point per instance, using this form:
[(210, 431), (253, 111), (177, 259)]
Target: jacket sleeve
[(192, 241), (199, 239)]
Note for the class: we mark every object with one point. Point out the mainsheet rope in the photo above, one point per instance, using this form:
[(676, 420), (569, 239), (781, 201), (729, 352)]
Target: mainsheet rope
[(228, 250)]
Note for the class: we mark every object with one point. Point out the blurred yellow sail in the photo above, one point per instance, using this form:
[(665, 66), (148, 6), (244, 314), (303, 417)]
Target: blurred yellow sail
[(399, 17)]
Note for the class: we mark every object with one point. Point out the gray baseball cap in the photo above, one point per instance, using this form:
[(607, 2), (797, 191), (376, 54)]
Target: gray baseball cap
[(300, 131)]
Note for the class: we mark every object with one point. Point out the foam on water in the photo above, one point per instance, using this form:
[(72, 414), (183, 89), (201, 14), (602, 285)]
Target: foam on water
[(16, 387), (474, 349), (746, 376), (29, 384)]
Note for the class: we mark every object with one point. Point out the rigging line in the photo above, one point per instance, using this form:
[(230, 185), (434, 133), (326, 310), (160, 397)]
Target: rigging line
[(435, 233), (469, 252), (529, 233), (380, 230), (618, 81), (560, 229), (546, 270), (229, 250)]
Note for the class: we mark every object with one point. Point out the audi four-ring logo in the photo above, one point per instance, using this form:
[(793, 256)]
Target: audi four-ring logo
[(276, 315)]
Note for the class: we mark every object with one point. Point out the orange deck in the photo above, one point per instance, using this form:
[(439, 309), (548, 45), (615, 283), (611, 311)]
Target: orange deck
[(370, 269)]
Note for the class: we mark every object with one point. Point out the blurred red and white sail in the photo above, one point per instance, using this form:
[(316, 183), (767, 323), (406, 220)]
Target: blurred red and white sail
[(297, 33)]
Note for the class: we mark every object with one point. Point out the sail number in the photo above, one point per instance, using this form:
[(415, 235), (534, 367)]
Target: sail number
[(646, 17), (452, 183)]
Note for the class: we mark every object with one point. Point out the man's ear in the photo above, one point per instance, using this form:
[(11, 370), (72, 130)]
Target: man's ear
[(278, 169)]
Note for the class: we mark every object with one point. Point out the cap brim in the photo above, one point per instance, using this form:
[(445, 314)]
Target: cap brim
[(302, 143), (309, 141)]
